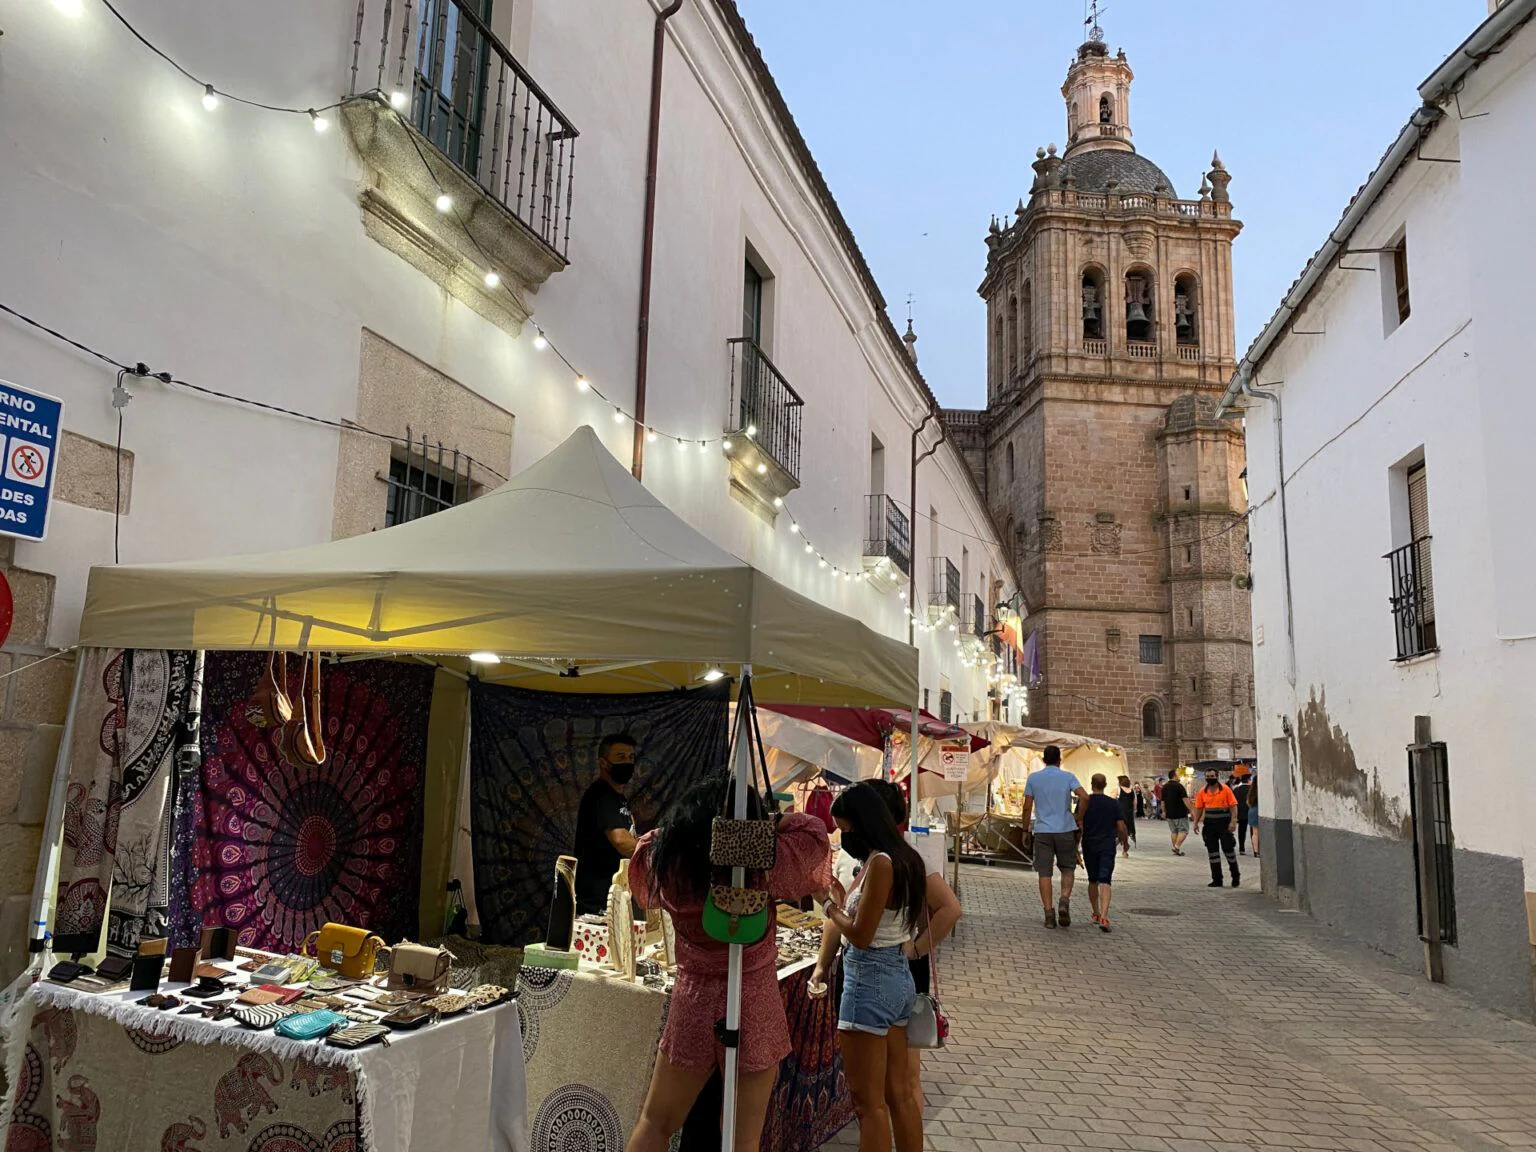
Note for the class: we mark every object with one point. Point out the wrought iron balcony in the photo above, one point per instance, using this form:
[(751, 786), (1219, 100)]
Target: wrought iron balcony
[(1413, 599), (978, 621), (943, 586), (459, 87), (767, 411), (888, 533)]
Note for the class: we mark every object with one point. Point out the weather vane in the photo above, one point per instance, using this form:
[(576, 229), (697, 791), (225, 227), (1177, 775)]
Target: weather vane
[(1091, 21), (909, 307)]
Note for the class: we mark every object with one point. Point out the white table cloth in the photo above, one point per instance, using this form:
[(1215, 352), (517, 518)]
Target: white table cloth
[(456, 1084)]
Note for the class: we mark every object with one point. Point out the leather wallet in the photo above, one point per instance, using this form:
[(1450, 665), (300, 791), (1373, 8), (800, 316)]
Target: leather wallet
[(114, 968), (211, 972), (284, 995), (260, 1015), (259, 996), (183, 960), (205, 989), (219, 943), (408, 1018), (146, 972), (310, 1025), (66, 970)]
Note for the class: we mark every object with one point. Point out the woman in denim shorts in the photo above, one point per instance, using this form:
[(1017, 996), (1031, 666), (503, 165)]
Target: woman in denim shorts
[(878, 918)]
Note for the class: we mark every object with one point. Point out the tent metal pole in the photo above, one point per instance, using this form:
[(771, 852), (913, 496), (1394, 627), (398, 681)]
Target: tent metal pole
[(43, 882), (912, 786), (743, 769)]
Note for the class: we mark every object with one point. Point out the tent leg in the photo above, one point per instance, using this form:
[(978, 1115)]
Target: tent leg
[(912, 780), (43, 883), (743, 770)]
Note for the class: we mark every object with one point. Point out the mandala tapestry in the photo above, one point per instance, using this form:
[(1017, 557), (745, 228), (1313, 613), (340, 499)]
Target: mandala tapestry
[(283, 848), (532, 755)]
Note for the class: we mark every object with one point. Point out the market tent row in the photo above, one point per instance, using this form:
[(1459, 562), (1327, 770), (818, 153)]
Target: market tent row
[(1013, 752), (572, 574)]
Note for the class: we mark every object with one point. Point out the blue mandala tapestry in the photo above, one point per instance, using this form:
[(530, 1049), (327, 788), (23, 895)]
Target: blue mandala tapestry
[(532, 755)]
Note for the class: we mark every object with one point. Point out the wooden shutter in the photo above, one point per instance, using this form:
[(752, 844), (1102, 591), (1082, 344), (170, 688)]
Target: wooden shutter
[(1400, 275), (1418, 530)]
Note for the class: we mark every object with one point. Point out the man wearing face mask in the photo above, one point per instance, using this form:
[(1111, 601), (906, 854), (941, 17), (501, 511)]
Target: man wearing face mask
[(605, 831), (1215, 818)]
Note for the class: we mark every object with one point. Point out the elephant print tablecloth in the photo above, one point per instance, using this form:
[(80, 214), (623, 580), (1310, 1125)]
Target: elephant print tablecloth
[(89, 1082)]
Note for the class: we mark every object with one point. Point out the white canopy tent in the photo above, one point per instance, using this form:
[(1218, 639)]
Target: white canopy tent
[(572, 573)]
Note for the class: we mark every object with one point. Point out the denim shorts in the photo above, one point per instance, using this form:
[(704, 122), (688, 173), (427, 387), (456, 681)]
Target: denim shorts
[(877, 990), (1099, 859)]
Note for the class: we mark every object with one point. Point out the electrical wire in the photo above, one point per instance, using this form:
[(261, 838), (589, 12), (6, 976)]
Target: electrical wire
[(160, 52)]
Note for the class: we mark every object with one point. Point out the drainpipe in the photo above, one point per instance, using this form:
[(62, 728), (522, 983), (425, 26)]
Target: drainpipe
[(648, 240), (912, 574), (1246, 386)]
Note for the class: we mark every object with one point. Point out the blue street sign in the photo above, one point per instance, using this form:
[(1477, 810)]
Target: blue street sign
[(30, 427)]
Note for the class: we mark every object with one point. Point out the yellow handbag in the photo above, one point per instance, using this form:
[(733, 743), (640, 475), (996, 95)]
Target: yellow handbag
[(349, 951)]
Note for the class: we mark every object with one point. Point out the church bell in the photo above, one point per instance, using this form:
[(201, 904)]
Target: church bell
[(1135, 312)]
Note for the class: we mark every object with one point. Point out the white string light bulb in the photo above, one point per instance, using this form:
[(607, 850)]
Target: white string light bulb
[(778, 501), (703, 445), (762, 469), (650, 435), (540, 342), (808, 547), (492, 279), (726, 443), (444, 202), (751, 430), (319, 121), (398, 100), (70, 8), (210, 97), (794, 527), (582, 385), (618, 415), (682, 445)]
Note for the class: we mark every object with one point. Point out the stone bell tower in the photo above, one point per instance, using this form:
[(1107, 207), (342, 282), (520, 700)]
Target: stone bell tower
[(1110, 340)]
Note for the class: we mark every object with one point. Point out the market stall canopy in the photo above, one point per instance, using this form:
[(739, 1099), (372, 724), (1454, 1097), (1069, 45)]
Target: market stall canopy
[(572, 573), (798, 750), (870, 726), (1080, 755)]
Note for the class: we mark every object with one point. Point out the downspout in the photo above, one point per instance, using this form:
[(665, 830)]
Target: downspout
[(648, 237), (912, 573), (1246, 387)]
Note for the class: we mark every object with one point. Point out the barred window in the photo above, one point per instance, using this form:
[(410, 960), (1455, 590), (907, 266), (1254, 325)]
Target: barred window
[(424, 479), (1151, 649)]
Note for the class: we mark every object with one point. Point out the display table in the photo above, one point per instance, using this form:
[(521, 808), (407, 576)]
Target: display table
[(589, 1043), (98, 1071)]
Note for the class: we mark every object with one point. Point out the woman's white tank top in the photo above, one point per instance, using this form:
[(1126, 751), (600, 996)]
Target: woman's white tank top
[(892, 929)]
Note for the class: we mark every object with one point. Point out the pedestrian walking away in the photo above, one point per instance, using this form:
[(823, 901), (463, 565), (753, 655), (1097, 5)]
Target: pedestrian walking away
[(1128, 813), (1176, 811), (1215, 814), (1048, 794), (1103, 825), (1242, 788), (1253, 813)]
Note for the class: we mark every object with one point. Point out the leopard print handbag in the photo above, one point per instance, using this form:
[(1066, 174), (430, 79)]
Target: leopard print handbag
[(753, 843)]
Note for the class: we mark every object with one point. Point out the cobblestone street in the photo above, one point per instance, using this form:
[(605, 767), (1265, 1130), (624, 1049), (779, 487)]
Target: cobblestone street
[(1074, 1039)]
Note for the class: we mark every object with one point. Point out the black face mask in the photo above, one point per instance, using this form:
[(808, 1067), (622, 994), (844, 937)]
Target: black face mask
[(855, 845), (1210, 783), (621, 773)]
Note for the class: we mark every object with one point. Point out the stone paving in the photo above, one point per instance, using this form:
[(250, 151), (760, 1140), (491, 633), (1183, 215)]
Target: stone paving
[(1074, 1039)]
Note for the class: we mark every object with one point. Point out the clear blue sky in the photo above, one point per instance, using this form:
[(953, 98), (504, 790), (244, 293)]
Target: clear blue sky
[(925, 117)]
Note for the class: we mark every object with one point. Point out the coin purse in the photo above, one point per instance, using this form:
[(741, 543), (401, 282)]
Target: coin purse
[(260, 1016), (356, 1035)]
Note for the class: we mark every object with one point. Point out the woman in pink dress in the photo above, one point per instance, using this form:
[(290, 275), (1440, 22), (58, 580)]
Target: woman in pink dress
[(671, 870)]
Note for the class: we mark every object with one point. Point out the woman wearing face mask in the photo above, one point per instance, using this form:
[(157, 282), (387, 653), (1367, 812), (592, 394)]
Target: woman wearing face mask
[(1215, 817), (670, 869), (877, 922)]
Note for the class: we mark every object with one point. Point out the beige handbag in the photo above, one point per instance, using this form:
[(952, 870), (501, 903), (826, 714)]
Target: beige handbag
[(417, 968)]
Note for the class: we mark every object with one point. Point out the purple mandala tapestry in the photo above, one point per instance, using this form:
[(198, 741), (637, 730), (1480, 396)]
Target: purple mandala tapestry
[(283, 848)]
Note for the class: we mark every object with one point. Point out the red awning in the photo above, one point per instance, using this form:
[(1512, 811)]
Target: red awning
[(871, 725)]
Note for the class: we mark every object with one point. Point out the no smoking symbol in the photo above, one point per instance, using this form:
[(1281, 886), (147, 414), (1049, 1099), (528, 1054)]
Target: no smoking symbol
[(27, 462)]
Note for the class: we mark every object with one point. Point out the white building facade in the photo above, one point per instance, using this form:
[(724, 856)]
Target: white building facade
[(450, 248), (1388, 415)]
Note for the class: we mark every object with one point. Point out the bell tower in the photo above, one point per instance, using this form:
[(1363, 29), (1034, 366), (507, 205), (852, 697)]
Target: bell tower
[(1110, 339)]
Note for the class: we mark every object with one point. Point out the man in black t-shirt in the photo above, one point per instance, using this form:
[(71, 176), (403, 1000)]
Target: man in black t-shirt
[(605, 832), (1176, 809), (1103, 825)]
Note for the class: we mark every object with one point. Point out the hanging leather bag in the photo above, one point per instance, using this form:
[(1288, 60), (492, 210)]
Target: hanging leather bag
[(752, 843)]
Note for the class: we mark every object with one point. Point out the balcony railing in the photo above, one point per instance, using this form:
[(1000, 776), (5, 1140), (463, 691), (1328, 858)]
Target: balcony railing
[(943, 585), (888, 532), (766, 408), (1189, 352), (947, 706), (1413, 599), (448, 75), (978, 622), (1141, 350), (1096, 347)]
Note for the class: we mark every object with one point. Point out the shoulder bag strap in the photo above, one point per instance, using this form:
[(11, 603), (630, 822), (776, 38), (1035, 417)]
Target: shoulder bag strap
[(760, 762)]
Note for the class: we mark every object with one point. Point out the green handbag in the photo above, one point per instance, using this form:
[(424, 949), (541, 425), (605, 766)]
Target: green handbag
[(736, 915)]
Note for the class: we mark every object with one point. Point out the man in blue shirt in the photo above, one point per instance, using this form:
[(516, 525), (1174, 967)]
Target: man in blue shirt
[(1048, 793)]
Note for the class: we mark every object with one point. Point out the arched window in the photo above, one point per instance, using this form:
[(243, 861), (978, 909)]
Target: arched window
[(1072, 120), (1106, 109), (1138, 306), (1026, 325), (1013, 342), (1011, 473), (1186, 308), (999, 361), (1093, 304), (1151, 721)]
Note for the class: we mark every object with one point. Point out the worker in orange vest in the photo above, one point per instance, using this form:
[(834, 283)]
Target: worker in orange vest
[(1215, 818)]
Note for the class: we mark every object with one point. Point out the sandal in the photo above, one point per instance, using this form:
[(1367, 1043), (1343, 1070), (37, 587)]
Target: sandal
[(1104, 923)]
